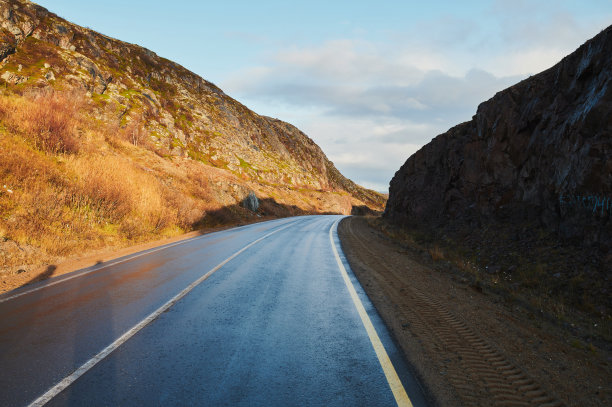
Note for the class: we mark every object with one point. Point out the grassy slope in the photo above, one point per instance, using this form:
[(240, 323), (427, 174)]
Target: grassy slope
[(70, 183)]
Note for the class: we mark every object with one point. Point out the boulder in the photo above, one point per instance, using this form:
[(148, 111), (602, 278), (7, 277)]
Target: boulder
[(251, 202)]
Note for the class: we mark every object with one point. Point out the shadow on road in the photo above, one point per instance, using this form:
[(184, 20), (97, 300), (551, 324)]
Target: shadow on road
[(42, 276)]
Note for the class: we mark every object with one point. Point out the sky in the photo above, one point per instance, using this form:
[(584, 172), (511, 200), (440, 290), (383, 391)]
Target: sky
[(369, 81)]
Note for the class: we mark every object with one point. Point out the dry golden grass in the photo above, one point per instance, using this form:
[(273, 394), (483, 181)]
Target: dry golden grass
[(47, 119), (61, 195), (436, 253), (115, 188), (76, 180), (104, 193)]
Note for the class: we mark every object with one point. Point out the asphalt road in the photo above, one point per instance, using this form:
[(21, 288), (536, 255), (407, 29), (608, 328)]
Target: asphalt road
[(261, 315)]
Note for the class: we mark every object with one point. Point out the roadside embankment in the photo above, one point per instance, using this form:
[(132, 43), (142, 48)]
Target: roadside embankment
[(469, 344)]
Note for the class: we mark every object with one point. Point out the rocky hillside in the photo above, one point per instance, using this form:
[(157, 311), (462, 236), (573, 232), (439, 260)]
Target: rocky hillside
[(528, 179), (105, 143), (181, 113)]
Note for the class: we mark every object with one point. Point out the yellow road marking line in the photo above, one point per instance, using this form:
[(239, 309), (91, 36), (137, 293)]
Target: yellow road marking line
[(68, 380), (401, 397)]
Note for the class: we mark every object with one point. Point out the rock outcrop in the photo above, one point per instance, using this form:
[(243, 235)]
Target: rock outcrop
[(540, 150), (251, 202), (182, 114), (536, 156)]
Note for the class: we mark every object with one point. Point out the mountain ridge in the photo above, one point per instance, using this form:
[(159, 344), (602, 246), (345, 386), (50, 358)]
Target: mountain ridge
[(100, 64)]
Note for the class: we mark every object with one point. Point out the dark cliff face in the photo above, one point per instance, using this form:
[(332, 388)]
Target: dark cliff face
[(538, 153)]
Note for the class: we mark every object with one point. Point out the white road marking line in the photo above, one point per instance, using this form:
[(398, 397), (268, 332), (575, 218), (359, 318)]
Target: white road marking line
[(401, 397), (67, 381), (101, 267), (98, 269)]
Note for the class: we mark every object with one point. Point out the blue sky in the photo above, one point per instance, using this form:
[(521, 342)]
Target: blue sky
[(370, 82)]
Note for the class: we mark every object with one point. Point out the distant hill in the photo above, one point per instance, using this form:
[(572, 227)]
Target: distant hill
[(104, 142), (528, 181)]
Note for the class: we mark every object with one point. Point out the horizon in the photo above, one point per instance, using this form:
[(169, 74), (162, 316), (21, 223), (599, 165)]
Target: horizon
[(370, 85)]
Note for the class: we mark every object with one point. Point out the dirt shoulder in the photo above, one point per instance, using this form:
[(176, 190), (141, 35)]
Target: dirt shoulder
[(467, 345)]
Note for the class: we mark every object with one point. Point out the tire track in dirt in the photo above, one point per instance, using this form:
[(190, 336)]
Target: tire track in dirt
[(480, 373)]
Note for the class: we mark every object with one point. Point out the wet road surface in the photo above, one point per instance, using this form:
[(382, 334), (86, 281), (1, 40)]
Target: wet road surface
[(264, 316)]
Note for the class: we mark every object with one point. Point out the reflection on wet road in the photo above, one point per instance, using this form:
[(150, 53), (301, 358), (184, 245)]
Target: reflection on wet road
[(262, 316)]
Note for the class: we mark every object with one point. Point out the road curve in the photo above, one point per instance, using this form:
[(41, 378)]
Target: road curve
[(261, 315)]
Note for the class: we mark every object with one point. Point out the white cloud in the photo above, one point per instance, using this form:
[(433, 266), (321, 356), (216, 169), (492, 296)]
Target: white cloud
[(355, 103), (367, 150), (370, 105)]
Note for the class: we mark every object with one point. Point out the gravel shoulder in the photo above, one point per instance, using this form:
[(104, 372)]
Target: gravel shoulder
[(467, 345)]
